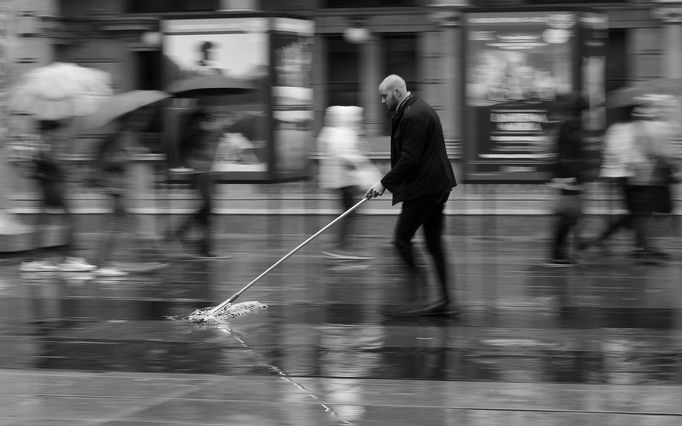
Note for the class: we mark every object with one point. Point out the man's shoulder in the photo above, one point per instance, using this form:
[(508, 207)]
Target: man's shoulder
[(416, 105)]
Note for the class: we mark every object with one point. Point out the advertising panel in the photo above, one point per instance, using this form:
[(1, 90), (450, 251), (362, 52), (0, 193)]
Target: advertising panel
[(520, 67), (292, 96), (222, 65)]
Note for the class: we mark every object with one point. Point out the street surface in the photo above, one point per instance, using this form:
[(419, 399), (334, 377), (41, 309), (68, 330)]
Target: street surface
[(597, 344)]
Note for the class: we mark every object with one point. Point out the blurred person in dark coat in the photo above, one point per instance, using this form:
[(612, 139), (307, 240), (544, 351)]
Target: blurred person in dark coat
[(197, 151), (421, 177), (568, 179)]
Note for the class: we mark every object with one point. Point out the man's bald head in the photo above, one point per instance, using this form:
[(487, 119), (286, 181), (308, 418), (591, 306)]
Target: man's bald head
[(392, 90)]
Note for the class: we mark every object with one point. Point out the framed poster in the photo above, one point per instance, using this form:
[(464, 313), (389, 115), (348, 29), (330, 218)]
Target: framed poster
[(252, 73), (520, 68)]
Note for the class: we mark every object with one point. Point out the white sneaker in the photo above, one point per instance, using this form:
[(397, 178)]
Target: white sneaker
[(76, 264), (110, 271), (38, 266)]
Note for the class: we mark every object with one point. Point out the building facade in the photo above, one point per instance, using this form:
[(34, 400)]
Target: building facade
[(357, 43)]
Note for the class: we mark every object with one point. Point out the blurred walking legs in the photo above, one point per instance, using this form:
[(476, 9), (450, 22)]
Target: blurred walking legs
[(204, 185)]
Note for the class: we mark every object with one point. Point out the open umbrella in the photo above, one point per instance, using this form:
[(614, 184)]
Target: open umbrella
[(628, 95), (209, 85), (60, 90), (121, 104)]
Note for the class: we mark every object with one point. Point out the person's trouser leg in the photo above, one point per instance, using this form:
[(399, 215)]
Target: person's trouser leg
[(347, 198), (433, 234), (561, 231), (414, 214), (204, 214)]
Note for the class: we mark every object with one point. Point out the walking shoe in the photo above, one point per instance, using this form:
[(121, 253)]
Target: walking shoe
[(109, 271), (76, 264), (340, 254), (38, 266), (559, 263)]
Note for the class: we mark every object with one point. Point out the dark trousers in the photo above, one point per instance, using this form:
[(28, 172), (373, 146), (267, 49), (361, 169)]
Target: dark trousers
[(203, 183), (53, 197), (347, 197), (568, 211), (426, 212)]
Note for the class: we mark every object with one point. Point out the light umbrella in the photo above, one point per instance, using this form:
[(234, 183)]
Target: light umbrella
[(121, 104), (59, 91)]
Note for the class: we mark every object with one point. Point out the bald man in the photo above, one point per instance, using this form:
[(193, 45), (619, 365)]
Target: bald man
[(421, 177)]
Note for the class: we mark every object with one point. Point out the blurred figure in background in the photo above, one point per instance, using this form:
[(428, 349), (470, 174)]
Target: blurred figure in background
[(197, 151), (651, 173), (614, 168), (421, 177), (113, 160), (345, 169), (51, 179), (569, 176)]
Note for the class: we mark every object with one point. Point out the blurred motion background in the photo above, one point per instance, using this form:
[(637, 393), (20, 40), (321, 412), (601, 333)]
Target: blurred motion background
[(523, 62)]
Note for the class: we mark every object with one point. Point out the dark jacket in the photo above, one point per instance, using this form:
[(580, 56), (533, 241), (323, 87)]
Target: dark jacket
[(570, 162), (419, 162)]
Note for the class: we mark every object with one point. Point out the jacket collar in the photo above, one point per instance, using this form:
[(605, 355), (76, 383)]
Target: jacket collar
[(403, 104)]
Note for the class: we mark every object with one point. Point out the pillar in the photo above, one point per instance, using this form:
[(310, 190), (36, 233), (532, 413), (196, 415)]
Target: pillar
[(370, 60), (672, 43)]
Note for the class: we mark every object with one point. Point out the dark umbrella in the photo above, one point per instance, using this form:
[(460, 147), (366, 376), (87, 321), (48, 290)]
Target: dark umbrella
[(210, 85), (121, 104)]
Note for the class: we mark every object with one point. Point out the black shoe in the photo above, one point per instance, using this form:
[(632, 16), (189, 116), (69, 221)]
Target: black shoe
[(442, 307)]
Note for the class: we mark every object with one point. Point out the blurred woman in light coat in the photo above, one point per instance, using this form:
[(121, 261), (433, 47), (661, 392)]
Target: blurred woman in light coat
[(344, 167)]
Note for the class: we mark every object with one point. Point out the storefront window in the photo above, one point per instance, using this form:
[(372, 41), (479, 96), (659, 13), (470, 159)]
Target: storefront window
[(370, 3), (164, 6), (343, 65), (400, 57)]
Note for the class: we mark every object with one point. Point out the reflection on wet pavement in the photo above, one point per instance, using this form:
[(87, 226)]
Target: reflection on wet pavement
[(597, 344)]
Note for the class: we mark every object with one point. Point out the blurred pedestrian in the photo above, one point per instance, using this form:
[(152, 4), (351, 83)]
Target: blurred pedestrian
[(197, 151), (113, 160), (345, 169), (569, 176), (614, 170), (50, 176), (651, 173), (421, 177)]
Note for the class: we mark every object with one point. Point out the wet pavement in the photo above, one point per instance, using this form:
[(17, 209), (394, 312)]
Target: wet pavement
[(597, 344)]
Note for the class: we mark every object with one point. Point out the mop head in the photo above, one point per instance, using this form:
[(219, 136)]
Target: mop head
[(228, 312)]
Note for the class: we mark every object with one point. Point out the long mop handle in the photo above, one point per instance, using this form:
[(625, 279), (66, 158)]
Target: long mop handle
[(285, 257)]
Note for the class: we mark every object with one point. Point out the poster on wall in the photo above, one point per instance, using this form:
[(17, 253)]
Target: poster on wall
[(292, 95), (221, 66), (520, 69)]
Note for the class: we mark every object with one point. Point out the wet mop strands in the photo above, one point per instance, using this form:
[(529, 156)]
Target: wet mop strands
[(228, 310), (238, 309)]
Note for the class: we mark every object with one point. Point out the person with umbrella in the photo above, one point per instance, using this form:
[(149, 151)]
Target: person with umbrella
[(197, 151), (51, 178), (127, 113), (52, 95)]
